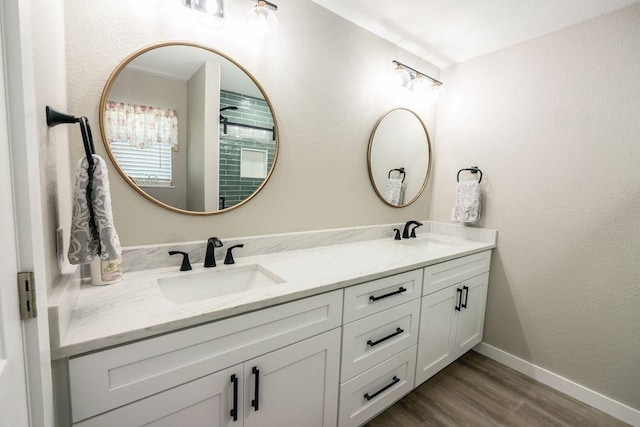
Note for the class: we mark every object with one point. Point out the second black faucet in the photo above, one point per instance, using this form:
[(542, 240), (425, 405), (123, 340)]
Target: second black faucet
[(407, 226)]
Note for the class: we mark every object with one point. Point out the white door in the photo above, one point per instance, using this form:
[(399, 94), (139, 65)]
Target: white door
[(437, 332), (19, 130), (471, 317), (13, 392), (297, 385)]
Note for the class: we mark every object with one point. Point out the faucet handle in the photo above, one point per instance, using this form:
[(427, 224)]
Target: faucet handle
[(228, 259), (186, 265), (397, 236), (413, 231)]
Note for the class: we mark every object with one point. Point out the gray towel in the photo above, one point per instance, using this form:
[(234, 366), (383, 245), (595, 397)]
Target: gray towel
[(394, 191), (467, 208), (92, 228)]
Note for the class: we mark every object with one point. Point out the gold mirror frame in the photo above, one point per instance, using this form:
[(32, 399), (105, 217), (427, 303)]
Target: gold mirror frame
[(114, 161), (369, 166)]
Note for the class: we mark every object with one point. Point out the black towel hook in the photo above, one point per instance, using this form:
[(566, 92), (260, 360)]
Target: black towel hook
[(400, 170), (55, 118), (472, 169)]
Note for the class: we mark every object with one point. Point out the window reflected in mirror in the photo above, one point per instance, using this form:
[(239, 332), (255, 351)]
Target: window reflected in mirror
[(188, 128)]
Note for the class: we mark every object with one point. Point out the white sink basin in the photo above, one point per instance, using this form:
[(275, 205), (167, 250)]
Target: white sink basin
[(217, 282), (429, 243)]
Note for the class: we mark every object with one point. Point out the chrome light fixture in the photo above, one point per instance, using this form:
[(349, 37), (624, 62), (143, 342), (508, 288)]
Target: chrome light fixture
[(261, 20), (214, 11), (416, 81)]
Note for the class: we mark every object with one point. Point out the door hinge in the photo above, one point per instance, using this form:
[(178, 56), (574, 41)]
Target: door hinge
[(27, 295)]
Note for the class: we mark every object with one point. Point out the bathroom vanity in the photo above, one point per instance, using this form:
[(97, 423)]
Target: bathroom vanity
[(349, 330)]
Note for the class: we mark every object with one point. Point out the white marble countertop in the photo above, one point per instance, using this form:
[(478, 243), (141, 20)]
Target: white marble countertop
[(104, 316)]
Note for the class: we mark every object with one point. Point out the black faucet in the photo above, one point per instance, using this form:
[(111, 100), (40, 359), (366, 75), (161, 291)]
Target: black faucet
[(407, 226), (186, 265), (210, 257), (229, 258)]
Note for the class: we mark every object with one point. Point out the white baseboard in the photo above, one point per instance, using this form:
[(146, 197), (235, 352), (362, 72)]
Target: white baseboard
[(593, 398)]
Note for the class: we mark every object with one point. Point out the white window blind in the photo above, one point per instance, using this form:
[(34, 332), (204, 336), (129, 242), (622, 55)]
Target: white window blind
[(149, 167), (253, 163)]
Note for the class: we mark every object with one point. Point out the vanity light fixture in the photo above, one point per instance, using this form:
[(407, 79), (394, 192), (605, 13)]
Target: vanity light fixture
[(213, 11), (261, 20), (414, 80)]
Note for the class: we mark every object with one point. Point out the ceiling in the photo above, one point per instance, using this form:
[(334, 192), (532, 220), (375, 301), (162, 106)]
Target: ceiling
[(445, 32)]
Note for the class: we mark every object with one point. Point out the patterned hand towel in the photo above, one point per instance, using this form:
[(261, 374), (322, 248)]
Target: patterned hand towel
[(467, 208), (393, 192), (92, 228)]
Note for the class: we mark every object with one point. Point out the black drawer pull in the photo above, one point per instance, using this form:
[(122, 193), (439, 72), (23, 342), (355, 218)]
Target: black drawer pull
[(256, 402), (397, 332), (395, 381), (234, 410), (400, 290), (458, 298), (466, 297)]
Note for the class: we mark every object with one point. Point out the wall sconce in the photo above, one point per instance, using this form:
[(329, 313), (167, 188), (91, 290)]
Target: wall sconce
[(416, 81), (213, 11), (261, 20)]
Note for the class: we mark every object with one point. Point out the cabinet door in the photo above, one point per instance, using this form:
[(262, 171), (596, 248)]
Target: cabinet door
[(436, 342), (296, 385), (207, 401), (470, 324)]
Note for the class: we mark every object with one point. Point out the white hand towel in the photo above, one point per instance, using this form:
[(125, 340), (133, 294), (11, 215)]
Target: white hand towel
[(393, 192), (467, 208), (92, 228)]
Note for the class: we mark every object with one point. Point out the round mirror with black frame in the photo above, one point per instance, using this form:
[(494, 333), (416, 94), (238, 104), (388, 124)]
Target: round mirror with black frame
[(399, 157), (188, 128)]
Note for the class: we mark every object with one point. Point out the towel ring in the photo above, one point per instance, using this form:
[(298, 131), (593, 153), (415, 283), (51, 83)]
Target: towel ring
[(401, 170), (472, 169)]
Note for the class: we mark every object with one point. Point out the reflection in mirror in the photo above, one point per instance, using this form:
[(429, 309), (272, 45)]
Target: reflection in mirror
[(399, 157), (188, 128)]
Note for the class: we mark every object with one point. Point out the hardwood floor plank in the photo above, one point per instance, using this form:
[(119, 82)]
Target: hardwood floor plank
[(477, 391)]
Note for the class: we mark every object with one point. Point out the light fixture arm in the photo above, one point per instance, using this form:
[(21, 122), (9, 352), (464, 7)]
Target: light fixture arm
[(418, 73), (267, 3)]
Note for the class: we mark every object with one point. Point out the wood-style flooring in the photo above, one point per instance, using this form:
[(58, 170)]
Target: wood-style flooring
[(477, 391)]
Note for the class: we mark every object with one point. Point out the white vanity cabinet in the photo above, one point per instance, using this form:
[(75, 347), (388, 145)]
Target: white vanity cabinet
[(296, 385), (187, 375), (334, 359), (452, 313)]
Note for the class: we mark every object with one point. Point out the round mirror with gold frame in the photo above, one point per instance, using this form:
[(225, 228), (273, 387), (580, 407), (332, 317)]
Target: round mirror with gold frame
[(399, 157), (189, 128)]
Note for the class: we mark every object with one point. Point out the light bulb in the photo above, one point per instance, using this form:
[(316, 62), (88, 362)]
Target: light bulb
[(436, 92), (420, 85), (401, 76), (261, 22)]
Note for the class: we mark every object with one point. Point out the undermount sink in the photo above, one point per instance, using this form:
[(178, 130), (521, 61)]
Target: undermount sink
[(198, 286), (429, 243)]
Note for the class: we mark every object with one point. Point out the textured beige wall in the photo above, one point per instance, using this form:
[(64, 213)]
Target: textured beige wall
[(47, 18), (554, 124), (327, 80)]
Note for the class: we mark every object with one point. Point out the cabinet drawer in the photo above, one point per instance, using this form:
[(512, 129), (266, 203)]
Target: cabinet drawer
[(366, 395), (108, 379), (448, 273), (377, 295), (371, 340)]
